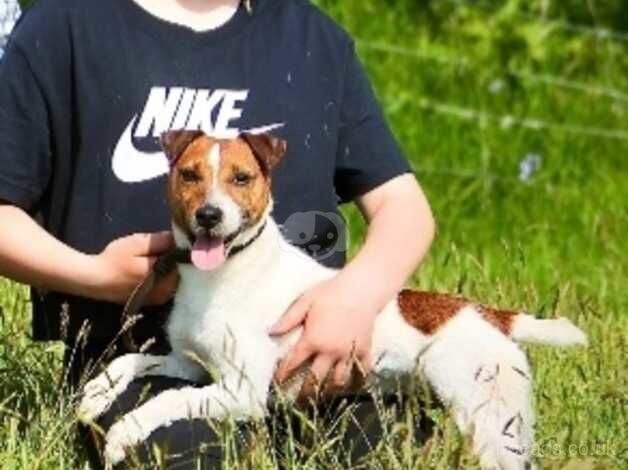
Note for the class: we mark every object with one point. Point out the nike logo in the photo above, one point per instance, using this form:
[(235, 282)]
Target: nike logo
[(176, 108)]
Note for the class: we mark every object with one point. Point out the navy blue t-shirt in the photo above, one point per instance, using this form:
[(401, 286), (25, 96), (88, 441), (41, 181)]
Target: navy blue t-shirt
[(86, 87)]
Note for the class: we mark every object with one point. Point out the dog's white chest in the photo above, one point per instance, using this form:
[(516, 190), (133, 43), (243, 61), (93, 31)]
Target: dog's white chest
[(212, 326), (216, 316)]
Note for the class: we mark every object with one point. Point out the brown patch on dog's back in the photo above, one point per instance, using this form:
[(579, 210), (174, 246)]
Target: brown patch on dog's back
[(429, 311), (500, 319)]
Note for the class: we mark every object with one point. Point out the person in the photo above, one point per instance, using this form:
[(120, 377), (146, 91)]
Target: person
[(87, 87), (9, 13)]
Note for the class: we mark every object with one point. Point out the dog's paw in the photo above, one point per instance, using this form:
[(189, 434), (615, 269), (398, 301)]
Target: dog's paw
[(98, 396), (114, 454), (122, 437)]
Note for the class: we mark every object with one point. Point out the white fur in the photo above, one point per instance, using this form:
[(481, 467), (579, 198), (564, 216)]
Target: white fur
[(217, 197), (213, 160), (223, 317), (555, 331)]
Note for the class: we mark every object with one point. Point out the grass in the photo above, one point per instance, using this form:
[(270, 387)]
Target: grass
[(456, 86)]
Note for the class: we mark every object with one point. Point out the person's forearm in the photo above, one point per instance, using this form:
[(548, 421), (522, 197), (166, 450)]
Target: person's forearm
[(399, 235), (30, 255)]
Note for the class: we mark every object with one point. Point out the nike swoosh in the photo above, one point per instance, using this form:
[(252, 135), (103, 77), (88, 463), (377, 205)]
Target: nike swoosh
[(264, 129), (131, 165)]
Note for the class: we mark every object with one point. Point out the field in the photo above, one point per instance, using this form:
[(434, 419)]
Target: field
[(514, 117)]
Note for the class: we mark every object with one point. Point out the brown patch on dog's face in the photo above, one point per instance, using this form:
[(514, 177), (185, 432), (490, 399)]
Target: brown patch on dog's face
[(190, 181), (429, 311), (242, 178)]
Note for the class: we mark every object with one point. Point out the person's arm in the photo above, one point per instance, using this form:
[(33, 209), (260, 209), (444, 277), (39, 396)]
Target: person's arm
[(30, 255), (338, 315), (400, 231)]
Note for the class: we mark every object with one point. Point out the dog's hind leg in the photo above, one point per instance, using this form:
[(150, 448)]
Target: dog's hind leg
[(485, 378), (101, 392)]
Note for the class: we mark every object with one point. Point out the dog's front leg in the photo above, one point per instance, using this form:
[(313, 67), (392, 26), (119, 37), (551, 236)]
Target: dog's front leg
[(242, 394), (101, 392)]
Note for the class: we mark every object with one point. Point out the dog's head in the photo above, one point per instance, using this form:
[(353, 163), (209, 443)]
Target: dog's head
[(218, 190)]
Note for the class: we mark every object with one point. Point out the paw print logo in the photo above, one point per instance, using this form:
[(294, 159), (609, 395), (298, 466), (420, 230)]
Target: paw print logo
[(320, 234)]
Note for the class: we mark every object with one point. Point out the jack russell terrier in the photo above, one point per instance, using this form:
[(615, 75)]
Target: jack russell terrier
[(242, 275)]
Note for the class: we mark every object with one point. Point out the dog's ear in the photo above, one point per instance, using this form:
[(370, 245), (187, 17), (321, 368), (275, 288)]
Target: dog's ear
[(174, 143), (267, 149)]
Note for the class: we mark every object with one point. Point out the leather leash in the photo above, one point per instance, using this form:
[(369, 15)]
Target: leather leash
[(164, 265)]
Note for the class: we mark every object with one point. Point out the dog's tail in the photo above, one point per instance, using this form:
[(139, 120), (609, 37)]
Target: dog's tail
[(525, 328), (554, 331)]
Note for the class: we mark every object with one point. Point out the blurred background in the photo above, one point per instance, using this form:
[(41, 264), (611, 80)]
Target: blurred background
[(514, 117)]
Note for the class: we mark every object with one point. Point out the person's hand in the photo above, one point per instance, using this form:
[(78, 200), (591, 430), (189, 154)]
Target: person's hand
[(337, 334), (125, 262)]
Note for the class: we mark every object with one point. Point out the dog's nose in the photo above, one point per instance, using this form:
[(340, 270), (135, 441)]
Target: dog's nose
[(208, 216)]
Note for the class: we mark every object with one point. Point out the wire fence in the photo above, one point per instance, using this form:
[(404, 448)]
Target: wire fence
[(530, 164), (507, 121), (463, 61), (554, 23)]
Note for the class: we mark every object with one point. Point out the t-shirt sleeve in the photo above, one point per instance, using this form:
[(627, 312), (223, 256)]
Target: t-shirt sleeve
[(368, 154), (24, 136)]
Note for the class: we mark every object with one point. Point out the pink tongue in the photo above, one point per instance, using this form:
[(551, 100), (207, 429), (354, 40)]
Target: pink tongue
[(208, 253)]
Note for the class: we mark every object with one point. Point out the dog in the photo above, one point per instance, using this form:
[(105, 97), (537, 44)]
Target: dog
[(241, 277)]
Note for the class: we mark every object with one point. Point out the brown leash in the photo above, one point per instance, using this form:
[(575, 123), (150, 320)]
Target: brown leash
[(164, 265)]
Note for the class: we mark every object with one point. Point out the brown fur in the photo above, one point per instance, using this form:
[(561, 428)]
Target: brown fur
[(184, 197), (429, 311), (267, 149), (252, 198), (236, 156), (500, 319)]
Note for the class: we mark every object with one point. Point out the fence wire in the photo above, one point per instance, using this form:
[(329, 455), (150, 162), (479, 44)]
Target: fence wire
[(508, 121), (462, 61), (556, 23)]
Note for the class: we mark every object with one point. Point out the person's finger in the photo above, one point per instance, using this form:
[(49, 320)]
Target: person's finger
[(342, 374), (316, 380), (294, 316), (140, 266), (152, 244), (300, 353)]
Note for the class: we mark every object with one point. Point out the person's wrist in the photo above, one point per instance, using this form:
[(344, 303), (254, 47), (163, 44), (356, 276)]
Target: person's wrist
[(365, 296), (94, 278)]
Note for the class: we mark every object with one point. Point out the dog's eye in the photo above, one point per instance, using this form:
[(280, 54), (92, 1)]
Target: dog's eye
[(241, 178), (188, 175)]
